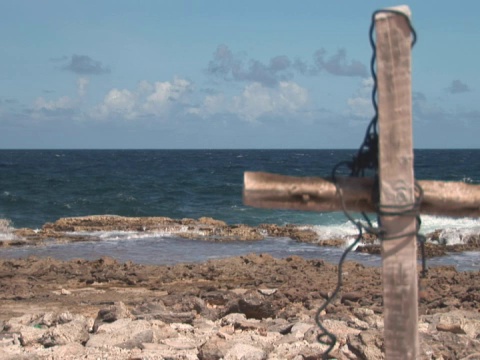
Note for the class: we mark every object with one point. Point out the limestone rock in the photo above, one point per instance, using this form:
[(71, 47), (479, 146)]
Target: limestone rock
[(298, 350), (279, 325), (15, 324), (352, 296), (123, 333), (267, 292), (68, 351), (457, 322), (111, 314), (74, 331), (211, 221), (215, 348), (367, 345), (253, 305), (300, 328), (175, 317), (241, 351), (180, 343), (233, 318), (30, 335), (239, 321), (448, 345)]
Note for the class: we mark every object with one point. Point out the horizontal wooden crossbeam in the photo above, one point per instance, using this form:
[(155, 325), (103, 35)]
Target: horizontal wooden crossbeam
[(265, 190)]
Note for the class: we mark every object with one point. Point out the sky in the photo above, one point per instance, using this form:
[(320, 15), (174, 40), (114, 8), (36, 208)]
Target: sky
[(117, 74)]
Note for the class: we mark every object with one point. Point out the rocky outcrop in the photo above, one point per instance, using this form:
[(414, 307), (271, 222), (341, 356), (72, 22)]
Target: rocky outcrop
[(67, 230)]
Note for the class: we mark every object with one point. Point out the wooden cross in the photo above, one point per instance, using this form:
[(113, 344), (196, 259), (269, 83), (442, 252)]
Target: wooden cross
[(396, 188)]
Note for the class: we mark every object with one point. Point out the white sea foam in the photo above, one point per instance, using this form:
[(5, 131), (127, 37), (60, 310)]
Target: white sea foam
[(344, 230), (452, 231), (349, 241), (120, 235), (135, 235), (6, 230), (432, 223)]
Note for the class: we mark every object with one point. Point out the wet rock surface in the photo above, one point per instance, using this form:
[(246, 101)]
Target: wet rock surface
[(69, 230), (248, 307)]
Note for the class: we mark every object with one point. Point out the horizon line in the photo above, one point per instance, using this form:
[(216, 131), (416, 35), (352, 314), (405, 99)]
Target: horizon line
[(214, 149)]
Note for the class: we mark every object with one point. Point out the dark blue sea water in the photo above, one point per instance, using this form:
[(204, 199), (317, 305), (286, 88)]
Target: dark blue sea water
[(39, 186)]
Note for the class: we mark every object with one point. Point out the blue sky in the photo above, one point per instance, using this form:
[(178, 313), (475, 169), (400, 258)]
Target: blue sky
[(224, 74)]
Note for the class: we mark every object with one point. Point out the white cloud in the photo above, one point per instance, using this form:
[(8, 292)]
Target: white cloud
[(144, 87), (157, 99), (63, 103), (360, 105), (212, 105), (120, 103), (162, 99), (61, 108), (166, 94), (173, 99), (257, 101), (65, 107)]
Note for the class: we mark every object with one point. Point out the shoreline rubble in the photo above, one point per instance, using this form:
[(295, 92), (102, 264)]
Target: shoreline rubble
[(253, 306)]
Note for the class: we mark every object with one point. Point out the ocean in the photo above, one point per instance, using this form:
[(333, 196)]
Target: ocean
[(39, 186)]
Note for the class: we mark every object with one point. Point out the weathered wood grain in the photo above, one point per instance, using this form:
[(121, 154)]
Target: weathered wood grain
[(397, 185), (273, 191)]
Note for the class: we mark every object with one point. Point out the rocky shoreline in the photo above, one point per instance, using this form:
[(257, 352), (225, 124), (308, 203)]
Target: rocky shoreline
[(69, 230), (247, 307)]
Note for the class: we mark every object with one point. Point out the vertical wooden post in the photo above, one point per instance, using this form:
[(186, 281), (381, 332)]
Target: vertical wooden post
[(396, 186)]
